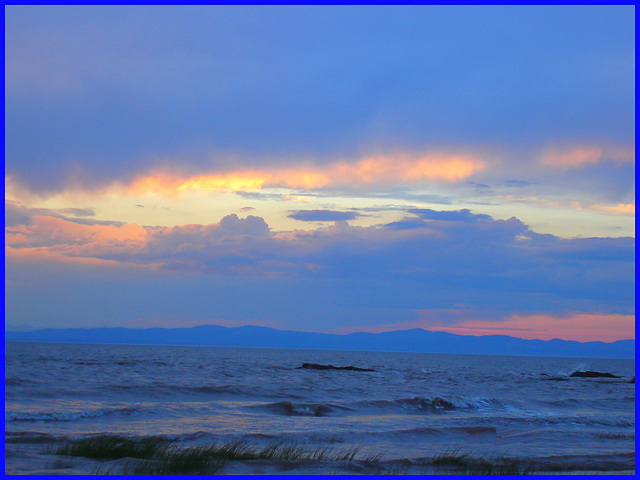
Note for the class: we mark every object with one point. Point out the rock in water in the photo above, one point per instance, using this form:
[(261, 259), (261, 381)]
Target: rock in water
[(590, 374), (316, 366)]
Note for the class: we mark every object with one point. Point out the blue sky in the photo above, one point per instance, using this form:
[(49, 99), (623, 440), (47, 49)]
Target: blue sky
[(322, 168)]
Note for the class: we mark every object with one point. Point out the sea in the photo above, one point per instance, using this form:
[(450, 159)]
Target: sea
[(412, 408)]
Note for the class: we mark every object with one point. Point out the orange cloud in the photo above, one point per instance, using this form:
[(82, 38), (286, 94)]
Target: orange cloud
[(62, 238), (579, 156), (43, 254), (379, 169), (580, 326), (621, 209), (628, 209)]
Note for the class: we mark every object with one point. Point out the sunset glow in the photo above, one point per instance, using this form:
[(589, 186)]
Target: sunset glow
[(426, 167), (591, 327)]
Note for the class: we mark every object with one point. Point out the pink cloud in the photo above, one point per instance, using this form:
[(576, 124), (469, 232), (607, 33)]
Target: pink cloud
[(584, 155), (583, 327)]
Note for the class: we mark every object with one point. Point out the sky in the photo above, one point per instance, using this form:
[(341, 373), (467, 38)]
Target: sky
[(324, 169)]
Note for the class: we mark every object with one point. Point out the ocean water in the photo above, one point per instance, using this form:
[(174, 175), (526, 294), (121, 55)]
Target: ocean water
[(412, 407)]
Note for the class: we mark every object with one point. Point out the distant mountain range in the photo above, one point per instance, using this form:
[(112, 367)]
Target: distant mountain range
[(415, 340)]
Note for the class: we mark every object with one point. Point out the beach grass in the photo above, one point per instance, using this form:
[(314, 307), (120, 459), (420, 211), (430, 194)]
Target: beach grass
[(463, 463), (510, 468), (178, 461), (110, 447), (451, 458), (159, 456), (211, 459)]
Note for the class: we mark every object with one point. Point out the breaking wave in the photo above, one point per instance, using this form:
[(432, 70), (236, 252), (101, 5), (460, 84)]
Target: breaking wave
[(431, 404), (302, 409)]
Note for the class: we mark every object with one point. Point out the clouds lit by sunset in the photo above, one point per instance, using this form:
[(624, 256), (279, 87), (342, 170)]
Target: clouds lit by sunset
[(466, 169)]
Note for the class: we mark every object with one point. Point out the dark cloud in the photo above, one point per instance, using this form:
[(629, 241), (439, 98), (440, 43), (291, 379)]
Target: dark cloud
[(79, 212), (518, 183), (323, 215), (463, 215), (406, 224), (479, 185), (247, 209), (496, 265), (16, 214), (252, 225)]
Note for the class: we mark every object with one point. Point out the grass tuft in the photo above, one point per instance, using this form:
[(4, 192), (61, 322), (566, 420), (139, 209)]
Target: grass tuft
[(464, 464), (487, 468), (451, 458), (174, 461), (157, 456), (373, 459), (211, 459), (110, 447)]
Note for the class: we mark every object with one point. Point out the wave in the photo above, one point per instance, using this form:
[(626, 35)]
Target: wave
[(582, 367), (593, 462), (545, 418), (65, 416), (120, 363), (413, 432), (567, 464), (406, 405), (33, 437), (12, 381), (161, 390), (301, 409), (431, 404), (564, 402), (552, 378)]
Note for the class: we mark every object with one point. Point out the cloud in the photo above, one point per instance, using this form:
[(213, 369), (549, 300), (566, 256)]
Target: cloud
[(579, 326), (322, 215), (517, 183), (215, 89), (532, 107), (621, 209), (486, 262), (79, 212), (463, 215), (247, 209), (580, 156), (466, 320), (380, 170), (383, 171), (75, 239), (18, 214), (478, 268), (433, 218)]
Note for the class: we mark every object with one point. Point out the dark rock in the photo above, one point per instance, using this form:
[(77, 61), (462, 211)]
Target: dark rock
[(316, 366), (590, 374)]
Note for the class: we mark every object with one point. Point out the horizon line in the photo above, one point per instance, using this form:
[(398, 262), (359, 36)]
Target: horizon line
[(314, 332)]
